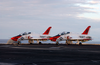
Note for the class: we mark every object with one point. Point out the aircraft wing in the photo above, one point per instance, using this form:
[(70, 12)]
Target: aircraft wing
[(40, 39), (79, 39), (35, 37)]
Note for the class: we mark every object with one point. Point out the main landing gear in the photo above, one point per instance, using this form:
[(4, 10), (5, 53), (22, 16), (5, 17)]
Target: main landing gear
[(57, 43), (40, 43), (32, 41), (68, 42), (80, 43)]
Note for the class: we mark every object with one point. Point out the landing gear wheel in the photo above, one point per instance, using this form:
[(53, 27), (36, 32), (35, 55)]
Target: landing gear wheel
[(67, 44), (18, 43), (57, 43), (30, 43), (40, 43), (80, 43)]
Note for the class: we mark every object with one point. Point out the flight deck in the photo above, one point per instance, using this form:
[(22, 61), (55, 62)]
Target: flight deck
[(49, 54)]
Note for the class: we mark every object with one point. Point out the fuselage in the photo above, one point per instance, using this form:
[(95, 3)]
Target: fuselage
[(74, 37), (69, 37)]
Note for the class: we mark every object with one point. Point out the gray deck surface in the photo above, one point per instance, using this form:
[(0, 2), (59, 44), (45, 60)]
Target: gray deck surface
[(49, 55)]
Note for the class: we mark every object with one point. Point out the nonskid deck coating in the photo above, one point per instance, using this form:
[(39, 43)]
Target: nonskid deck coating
[(50, 54)]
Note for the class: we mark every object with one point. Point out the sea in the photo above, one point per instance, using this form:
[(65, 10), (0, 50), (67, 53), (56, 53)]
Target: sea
[(4, 41)]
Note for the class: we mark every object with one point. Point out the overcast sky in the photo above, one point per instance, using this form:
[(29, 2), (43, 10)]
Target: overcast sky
[(18, 16)]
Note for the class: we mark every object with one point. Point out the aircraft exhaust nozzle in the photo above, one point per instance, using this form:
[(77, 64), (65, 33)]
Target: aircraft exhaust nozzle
[(10, 41)]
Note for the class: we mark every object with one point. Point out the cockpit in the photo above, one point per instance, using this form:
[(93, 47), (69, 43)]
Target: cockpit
[(63, 33), (25, 33), (29, 32)]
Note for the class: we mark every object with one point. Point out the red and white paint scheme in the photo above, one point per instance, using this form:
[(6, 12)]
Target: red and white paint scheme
[(69, 37), (31, 37)]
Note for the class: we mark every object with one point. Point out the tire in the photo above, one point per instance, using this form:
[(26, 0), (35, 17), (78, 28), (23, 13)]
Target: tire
[(40, 43), (30, 43), (19, 42), (67, 44), (80, 43), (57, 43)]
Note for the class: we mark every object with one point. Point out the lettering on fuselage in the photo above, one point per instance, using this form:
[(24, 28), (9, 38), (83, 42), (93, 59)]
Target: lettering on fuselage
[(82, 36)]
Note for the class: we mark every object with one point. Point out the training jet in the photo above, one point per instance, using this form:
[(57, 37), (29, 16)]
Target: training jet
[(30, 37), (69, 37)]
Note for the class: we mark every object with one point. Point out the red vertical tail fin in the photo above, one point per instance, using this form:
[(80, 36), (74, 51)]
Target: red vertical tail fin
[(86, 30), (47, 31)]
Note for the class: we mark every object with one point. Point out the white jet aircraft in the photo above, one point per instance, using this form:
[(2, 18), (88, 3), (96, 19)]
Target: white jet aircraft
[(69, 37), (30, 37)]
